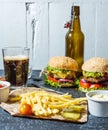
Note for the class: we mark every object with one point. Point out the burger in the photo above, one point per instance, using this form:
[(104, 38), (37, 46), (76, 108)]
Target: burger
[(61, 71), (95, 74)]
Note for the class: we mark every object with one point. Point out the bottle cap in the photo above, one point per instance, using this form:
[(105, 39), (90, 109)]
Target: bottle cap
[(75, 10)]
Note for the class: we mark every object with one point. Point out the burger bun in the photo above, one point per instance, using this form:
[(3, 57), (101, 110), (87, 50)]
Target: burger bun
[(96, 64), (63, 62)]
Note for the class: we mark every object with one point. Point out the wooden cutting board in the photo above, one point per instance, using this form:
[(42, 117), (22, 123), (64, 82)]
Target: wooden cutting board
[(13, 108)]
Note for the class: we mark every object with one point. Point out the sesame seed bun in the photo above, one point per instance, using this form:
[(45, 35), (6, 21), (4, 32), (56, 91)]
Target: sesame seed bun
[(63, 62), (96, 64)]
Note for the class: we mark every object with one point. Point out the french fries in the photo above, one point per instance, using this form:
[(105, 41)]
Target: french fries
[(45, 103)]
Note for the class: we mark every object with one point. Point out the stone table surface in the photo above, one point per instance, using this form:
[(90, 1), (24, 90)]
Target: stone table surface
[(8, 122)]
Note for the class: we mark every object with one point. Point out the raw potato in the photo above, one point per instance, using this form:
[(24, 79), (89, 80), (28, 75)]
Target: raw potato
[(71, 115)]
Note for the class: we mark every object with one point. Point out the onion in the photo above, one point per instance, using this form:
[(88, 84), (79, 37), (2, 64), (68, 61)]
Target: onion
[(83, 80), (105, 83), (65, 80)]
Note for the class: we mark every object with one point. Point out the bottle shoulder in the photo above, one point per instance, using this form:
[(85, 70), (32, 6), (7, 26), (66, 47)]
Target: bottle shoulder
[(74, 33), (69, 34)]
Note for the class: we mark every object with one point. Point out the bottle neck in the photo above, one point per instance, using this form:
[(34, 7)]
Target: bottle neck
[(75, 23)]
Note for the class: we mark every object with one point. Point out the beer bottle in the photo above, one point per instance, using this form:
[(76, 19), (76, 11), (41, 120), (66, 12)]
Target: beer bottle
[(74, 45)]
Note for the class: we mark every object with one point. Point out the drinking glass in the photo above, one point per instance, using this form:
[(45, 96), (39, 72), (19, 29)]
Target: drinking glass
[(16, 65)]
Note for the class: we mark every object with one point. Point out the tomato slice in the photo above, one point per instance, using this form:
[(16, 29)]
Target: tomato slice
[(96, 86), (84, 84), (52, 79)]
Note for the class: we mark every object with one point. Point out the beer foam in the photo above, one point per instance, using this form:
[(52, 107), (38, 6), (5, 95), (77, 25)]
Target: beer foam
[(17, 57)]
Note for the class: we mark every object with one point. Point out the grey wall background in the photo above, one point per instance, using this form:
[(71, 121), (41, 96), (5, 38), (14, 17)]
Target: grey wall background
[(18, 17)]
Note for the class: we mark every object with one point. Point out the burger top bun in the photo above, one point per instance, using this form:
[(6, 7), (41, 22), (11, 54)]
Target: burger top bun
[(96, 64), (63, 62)]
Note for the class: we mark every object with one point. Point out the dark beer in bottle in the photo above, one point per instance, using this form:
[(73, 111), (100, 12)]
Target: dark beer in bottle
[(74, 45)]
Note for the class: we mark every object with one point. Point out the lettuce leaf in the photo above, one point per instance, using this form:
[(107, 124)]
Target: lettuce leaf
[(93, 74)]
